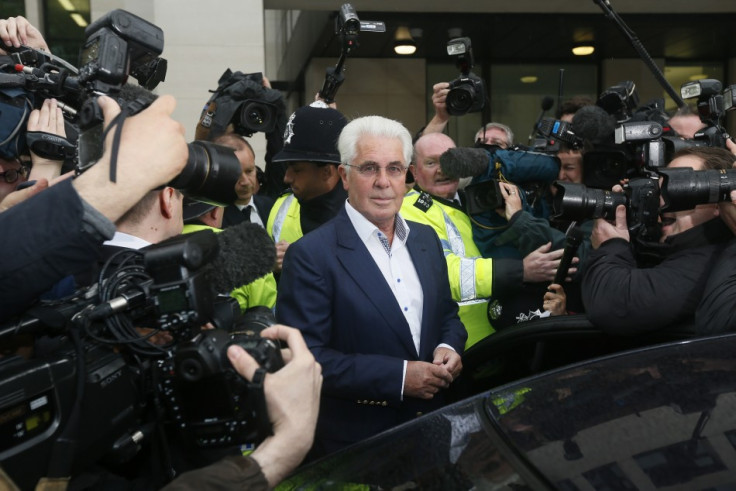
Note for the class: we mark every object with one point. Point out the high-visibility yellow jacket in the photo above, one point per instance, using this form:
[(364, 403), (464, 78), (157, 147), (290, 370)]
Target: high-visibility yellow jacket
[(284, 220), (470, 275)]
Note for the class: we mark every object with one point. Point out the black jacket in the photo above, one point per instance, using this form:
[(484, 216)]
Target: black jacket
[(621, 298), (717, 310), (45, 239), (234, 216)]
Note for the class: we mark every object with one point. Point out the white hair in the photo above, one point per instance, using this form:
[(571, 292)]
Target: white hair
[(373, 126)]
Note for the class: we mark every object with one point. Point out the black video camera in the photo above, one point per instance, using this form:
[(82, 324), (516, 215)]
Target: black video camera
[(117, 45), (467, 92), (91, 396), (347, 27)]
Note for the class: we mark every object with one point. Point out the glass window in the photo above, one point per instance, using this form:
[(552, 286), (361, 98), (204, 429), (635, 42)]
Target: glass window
[(65, 21), (517, 92)]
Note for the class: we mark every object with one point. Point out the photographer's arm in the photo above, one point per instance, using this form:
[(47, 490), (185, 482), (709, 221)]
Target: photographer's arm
[(60, 231), (152, 152), (439, 121), (17, 31), (292, 397)]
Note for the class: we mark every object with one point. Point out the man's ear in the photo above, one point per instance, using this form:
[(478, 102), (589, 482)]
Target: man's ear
[(166, 202)]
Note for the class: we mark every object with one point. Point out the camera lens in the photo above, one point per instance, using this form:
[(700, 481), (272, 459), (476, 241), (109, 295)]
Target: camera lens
[(210, 174), (576, 202), (684, 188), (460, 100), (256, 116)]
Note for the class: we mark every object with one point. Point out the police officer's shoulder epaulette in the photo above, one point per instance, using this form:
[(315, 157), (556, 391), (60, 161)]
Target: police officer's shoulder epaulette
[(424, 201)]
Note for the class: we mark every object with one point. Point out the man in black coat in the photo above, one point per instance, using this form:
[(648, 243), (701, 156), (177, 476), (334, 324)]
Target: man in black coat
[(250, 206), (621, 297)]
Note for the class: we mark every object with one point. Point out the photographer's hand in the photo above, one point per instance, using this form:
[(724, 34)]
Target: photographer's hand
[(149, 136), (292, 397), (541, 264), (441, 116), (48, 119), (604, 230), (17, 31), (512, 199)]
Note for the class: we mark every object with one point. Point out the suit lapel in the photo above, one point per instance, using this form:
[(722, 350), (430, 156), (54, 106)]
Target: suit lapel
[(359, 265)]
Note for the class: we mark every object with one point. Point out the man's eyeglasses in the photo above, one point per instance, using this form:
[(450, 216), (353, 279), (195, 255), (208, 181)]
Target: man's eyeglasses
[(372, 170), (12, 175)]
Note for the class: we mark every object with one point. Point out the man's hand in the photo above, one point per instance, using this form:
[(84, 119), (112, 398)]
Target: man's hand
[(292, 397), (48, 119), (511, 197), (603, 230), (555, 300), (15, 31), (449, 359), (281, 247), (149, 136), (441, 116), (541, 264), (424, 380)]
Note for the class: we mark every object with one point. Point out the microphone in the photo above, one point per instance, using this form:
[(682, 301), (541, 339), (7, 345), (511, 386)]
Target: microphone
[(246, 253), (464, 162), (547, 103), (573, 238), (593, 124)]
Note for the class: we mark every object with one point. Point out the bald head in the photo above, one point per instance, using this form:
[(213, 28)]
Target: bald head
[(426, 168)]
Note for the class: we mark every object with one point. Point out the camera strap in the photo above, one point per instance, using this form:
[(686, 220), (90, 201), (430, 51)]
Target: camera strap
[(130, 109), (255, 390)]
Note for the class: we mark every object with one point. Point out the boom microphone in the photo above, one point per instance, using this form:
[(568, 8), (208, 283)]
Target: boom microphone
[(464, 162), (593, 124), (246, 253)]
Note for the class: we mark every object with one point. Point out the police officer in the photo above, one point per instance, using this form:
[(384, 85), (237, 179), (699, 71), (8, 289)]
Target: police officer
[(435, 201), (316, 194)]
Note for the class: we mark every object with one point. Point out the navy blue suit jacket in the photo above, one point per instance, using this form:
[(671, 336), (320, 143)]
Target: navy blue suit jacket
[(333, 291), (234, 216)]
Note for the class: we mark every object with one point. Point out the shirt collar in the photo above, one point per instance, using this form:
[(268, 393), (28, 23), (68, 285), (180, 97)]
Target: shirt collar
[(121, 239), (365, 229)]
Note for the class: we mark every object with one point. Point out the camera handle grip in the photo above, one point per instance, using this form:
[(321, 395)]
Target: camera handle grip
[(334, 78), (255, 390)]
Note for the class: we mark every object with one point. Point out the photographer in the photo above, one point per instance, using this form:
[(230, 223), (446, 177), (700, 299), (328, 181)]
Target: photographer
[(292, 398), (621, 297), (716, 313), (60, 231)]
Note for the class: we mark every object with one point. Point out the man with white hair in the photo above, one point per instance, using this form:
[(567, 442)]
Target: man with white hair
[(369, 292)]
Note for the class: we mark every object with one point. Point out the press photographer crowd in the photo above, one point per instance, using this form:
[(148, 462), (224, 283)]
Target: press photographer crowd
[(173, 316)]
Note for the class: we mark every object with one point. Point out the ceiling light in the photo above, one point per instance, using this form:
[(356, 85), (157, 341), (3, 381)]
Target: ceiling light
[(583, 49), (403, 42), (67, 5), (529, 79), (81, 22)]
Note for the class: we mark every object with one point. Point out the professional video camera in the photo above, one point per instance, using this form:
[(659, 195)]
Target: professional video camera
[(92, 395), (116, 46), (243, 101), (467, 92), (347, 26)]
